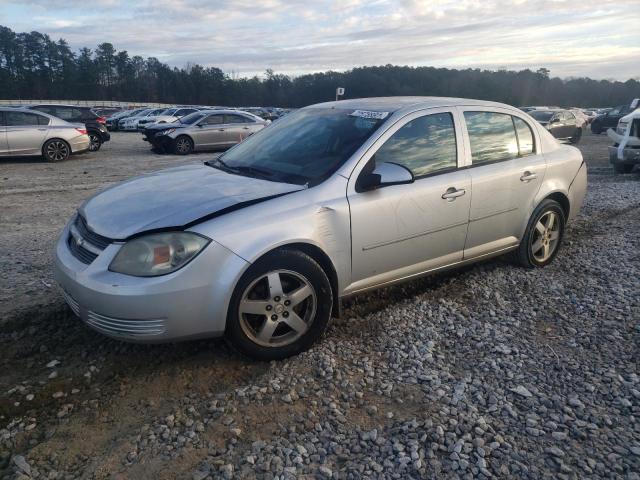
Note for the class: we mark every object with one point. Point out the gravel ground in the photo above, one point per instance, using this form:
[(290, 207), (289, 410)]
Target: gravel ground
[(489, 371)]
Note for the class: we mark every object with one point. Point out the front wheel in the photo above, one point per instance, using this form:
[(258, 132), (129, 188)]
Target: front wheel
[(183, 145), (280, 307), (95, 142), (543, 236), (56, 150)]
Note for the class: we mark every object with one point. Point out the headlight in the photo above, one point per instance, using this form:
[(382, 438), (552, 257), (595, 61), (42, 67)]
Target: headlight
[(167, 132), (158, 253)]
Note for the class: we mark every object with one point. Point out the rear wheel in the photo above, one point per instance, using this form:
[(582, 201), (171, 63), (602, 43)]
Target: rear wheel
[(56, 150), (543, 236), (280, 307), (95, 142), (183, 145)]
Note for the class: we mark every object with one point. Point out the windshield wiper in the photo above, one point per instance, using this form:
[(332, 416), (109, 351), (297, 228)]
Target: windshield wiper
[(241, 169)]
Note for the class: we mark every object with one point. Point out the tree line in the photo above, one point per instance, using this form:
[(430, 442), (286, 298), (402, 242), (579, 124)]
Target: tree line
[(33, 66)]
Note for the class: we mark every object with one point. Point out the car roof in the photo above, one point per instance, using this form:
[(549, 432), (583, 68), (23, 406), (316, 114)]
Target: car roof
[(393, 104)]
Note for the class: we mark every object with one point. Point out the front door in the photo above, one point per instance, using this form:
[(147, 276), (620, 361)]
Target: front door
[(506, 173), (403, 230), (210, 132)]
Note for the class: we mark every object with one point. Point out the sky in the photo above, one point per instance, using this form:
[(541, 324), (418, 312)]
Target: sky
[(595, 38)]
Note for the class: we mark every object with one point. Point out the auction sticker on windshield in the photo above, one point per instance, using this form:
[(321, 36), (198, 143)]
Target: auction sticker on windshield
[(369, 114)]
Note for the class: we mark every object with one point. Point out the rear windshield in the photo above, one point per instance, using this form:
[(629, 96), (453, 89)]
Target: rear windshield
[(541, 115)]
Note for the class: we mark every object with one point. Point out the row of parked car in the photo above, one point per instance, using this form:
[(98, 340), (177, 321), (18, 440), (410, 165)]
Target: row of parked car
[(569, 124)]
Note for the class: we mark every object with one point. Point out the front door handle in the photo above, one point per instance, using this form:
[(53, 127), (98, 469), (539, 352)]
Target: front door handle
[(245, 128), (528, 176), (452, 193), (221, 129)]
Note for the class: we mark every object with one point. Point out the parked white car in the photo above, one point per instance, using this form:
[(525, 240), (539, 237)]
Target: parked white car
[(166, 116), (131, 123), (624, 154)]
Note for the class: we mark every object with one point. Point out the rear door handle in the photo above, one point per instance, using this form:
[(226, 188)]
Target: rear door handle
[(528, 176), (452, 193), (245, 128), (221, 129)]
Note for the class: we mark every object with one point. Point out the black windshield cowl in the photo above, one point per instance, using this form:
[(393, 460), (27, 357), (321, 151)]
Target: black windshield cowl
[(243, 170)]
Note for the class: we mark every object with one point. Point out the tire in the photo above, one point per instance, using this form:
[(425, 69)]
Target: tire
[(279, 325), (596, 128), (182, 145), (576, 137), (56, 150), (95, 142), (622, 168), (528, 254)]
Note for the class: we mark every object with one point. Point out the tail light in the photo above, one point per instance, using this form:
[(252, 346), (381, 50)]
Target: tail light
[(102, 120), (82, 131)]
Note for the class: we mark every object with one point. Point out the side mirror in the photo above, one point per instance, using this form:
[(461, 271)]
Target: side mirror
[(384, 175), (200, 125)]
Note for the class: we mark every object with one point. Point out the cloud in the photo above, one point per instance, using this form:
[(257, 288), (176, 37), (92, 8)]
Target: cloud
[(597, 38)]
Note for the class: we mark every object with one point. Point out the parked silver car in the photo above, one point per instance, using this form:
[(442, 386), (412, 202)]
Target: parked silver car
[(331, 200), (204, 130), (27, 133)]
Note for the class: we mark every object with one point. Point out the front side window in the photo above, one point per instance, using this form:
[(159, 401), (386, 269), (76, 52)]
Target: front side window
[(425, 145), (492, 137), (18, 119), (525, 137)]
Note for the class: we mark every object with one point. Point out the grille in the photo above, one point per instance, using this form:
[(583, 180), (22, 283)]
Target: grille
[(81, 253), (73, 305), (118, 326), (84, 244), (93, 238)]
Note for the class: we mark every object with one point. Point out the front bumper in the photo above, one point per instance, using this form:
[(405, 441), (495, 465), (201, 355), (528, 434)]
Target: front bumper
[(189, 303), (630, 156)]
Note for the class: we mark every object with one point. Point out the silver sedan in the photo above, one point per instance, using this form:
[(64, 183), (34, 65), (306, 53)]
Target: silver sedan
[(334, 199), (28, 133), (204, 130)]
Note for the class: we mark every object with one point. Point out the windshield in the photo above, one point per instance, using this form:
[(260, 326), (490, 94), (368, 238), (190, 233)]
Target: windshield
[(191, 118), (169, 111), (541, 116), (304, 147)]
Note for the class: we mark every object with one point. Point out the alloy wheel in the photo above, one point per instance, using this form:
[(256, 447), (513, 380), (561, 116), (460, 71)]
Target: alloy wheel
[(277, 308), (94, 142), (545, 236), (183, 145), (57, 150)]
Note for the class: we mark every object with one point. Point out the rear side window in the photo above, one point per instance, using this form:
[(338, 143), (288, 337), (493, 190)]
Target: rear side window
[(42, 120), (525, 137), (425, 145), (212, 120), (17, 119), (235, 119), (492, 137), (185, 111)]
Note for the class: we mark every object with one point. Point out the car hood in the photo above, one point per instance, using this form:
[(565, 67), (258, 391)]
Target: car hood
[(173, 198)]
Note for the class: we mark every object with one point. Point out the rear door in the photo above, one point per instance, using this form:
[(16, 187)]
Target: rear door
[(506, 172), (26, 132), (238, 127)]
